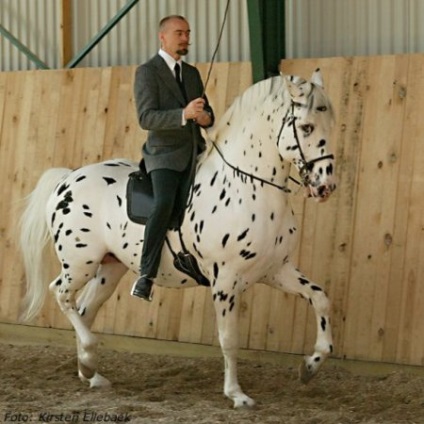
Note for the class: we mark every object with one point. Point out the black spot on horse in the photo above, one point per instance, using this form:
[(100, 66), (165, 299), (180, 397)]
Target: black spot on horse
[(225, 239), (119, 201), (323, 323), (316, 288), (243, 235), (246, 254), (109, 180), (82, 177), (215, 270), (103, 281), (214, 178), (303, 281), (62, 188), (80, 245)]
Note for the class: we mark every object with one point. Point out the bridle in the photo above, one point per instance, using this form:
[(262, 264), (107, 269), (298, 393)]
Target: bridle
[(305, 167)]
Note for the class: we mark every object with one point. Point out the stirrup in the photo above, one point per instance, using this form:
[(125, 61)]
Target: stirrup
[(187, 264)]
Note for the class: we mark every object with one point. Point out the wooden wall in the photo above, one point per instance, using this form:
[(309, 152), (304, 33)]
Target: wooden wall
[(365, 245)]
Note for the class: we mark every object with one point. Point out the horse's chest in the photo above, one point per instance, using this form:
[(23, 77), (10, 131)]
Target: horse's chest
[(242, 227)]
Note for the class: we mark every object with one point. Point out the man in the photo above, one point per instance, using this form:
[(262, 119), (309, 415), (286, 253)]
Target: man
[(168, 95)]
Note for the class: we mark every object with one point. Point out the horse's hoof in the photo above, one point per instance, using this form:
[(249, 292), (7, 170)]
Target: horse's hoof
[(97, 381), (244, 402)]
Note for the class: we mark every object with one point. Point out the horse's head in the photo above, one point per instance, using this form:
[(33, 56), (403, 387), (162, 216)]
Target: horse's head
[(304, 135)]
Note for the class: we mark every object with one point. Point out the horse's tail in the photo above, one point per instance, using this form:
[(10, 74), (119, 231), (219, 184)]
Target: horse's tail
[(34, 237)]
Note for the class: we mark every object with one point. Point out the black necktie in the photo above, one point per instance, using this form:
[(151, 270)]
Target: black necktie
[(177, 69)]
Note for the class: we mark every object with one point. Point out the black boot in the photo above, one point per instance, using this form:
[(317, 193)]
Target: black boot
[(142, 288)]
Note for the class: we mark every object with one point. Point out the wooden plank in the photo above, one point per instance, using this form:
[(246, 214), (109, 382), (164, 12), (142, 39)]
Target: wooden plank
[(16, 115), (374, 213), (66, 33), (410, 327)]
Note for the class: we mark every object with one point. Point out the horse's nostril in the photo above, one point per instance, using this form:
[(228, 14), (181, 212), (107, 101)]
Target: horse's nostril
[(321, 190)]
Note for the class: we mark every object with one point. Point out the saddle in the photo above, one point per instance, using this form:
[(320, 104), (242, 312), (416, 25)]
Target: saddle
[(139, 195)]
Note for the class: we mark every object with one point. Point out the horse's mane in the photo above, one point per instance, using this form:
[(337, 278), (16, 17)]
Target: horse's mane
[(247, 102), (244, 104)]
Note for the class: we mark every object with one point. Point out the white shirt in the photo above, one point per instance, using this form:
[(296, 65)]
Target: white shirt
[(170, 61)]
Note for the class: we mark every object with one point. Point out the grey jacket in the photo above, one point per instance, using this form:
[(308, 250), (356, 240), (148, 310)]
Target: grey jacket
[(159, 104)]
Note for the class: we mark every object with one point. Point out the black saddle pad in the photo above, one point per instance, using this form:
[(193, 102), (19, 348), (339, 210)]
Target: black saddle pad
[(140, 198)]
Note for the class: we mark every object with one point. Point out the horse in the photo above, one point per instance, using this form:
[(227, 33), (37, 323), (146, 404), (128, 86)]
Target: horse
[(239, 224)]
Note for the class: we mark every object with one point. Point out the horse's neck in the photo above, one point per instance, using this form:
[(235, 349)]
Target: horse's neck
[(249, 143)]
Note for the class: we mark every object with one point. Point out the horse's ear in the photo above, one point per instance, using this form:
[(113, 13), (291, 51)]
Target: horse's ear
[(317, 78)]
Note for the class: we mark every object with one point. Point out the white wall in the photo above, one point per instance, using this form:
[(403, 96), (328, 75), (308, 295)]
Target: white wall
[(314, 28), (132, 41), (325, 28)]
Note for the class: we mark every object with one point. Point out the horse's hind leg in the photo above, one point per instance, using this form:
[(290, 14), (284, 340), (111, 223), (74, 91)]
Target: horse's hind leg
[(94, 294), (291, 280), (73, 277)]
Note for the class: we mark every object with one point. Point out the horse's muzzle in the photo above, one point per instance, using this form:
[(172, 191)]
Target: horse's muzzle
[(320, 193)]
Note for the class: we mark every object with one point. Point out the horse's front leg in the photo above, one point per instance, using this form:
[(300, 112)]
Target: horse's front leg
[(226, 304), (291, 280)]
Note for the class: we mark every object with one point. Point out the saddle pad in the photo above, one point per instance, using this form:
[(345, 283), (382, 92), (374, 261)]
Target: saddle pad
[(140, 198)]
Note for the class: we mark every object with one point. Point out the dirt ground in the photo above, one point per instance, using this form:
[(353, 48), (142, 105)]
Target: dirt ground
[(40, 384)]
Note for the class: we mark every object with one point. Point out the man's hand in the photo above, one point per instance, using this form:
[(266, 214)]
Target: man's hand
[(195, 109)]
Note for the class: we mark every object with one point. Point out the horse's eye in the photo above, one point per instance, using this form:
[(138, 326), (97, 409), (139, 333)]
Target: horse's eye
[(322, 108), (307, 129)]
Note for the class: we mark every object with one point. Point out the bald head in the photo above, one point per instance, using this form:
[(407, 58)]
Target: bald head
[(174, 35)]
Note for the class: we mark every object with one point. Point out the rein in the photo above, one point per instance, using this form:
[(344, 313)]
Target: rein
[(238, 171)]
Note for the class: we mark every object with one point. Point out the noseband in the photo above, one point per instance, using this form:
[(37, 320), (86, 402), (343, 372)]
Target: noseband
[(305, 166)]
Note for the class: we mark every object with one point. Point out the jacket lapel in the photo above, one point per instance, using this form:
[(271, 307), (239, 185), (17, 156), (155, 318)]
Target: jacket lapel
[(168, 79)]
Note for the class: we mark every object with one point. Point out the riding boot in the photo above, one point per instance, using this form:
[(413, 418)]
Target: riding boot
[(142, 288)]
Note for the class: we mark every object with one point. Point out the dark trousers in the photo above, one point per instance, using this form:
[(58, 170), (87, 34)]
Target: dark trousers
[(170, 190)]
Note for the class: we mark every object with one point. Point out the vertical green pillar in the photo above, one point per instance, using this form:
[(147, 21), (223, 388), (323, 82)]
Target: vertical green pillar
[(267, 36)]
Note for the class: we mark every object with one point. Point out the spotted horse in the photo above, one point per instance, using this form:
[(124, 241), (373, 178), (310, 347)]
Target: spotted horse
[(239, 223)]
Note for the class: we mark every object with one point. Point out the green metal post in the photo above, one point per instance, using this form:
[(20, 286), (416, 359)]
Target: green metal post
[(101, 34), (254, 10), (23, 49), (267, 36)]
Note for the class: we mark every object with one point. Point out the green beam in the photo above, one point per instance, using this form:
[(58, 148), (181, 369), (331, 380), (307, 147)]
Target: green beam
[(101, 34), (254, 9), (22, 48), (267, 36)]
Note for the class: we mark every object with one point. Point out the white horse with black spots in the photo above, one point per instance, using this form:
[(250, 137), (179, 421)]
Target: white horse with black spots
[(239, 224)]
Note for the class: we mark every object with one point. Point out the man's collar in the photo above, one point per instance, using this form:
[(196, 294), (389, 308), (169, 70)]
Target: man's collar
[(170, 61)]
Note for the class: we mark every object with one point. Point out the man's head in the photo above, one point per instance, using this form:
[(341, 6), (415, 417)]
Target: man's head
[(174, 35)]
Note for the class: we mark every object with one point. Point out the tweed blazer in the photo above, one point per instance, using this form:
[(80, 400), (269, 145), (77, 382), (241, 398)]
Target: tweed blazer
[(159, 104)]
